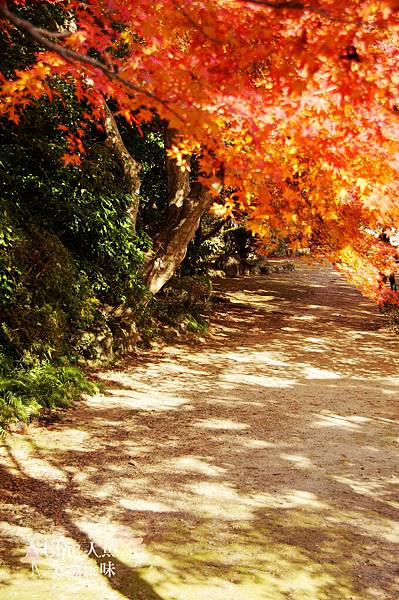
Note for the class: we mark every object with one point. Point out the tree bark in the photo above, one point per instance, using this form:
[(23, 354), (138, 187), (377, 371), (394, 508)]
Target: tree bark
[(171, 246), (186, 206), (131, 168), (178, 182)]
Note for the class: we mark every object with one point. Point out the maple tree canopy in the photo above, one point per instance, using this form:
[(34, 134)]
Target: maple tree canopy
[(291, 107)]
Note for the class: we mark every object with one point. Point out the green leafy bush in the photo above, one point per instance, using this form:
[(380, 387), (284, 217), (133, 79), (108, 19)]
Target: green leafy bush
[(85, 207), (184, 299), (26, 389), (188, 293), (45, 298), (69, 256), (66, 240)]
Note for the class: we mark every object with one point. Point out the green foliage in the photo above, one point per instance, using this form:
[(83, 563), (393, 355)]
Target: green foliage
[(86, 207), (27, 388), (67, 248), (207, 244), (198, 325), (184, 299), (66, 241), (189, 293), (238, 240), (148, 147), (199, 254), (45, 298)]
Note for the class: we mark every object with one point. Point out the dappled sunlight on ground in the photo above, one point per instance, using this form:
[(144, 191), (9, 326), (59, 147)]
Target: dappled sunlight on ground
[(261, 464)]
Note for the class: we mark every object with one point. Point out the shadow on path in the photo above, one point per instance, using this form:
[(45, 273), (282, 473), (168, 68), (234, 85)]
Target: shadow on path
[(260, 464)]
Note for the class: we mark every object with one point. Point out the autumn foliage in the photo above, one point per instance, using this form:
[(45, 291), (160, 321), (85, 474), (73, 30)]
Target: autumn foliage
[(290, 107)]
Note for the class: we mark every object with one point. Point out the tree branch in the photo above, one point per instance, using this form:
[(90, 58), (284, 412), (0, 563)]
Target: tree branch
[(178, 180), (171, 248), (289, 4), (40, 36)]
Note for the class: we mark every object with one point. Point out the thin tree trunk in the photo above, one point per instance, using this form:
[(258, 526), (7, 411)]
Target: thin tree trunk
[(131, 168), (178, 182)]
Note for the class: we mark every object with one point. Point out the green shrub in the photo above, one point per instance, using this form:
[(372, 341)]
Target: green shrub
[(27, 388), (188, 293), (184, 299), (66, 240), (197, 325), (44, 298)]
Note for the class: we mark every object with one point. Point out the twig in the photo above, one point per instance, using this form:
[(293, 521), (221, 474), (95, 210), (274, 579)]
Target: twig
[(53, 34)]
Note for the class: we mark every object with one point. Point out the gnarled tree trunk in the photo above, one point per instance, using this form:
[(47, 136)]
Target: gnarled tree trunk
[(131, 168), (171, 245), (187, 204)]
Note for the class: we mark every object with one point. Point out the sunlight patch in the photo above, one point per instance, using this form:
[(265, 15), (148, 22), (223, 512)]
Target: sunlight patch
[(145, 505), (290, 499), (261, 380), (335, 421), (372, 489), (313, 349), (268, 358), (301, 462), (221, 424), (258, 444), (303, 318), (315, 373), (368, 523), (154, 400), (220, 501), (191, 464)]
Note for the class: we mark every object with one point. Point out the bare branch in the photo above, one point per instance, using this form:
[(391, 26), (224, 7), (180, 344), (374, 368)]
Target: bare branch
[(74, 57), (297, 5), (53, 34), (289, 4)]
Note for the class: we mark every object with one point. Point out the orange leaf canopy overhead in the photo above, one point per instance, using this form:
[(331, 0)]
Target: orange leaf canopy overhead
[(292, 107)]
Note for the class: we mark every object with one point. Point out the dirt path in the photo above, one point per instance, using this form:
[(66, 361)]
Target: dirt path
[(261, 464)]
